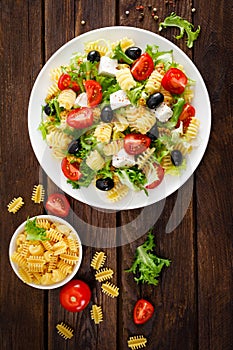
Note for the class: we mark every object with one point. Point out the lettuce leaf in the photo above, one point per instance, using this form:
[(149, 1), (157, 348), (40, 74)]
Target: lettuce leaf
[(185, 26), (34, 232), (165, 57)]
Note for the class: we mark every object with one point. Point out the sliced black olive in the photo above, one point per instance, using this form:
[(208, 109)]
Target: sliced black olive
[(133, 52), (93, 56), (105, 184), (153, 133), (176, 157), (106, 114), (47, 109), (154, 100), (74, 146)]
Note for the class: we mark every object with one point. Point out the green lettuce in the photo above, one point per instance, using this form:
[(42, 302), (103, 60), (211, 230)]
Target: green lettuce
[(34, 232), (185, 26)]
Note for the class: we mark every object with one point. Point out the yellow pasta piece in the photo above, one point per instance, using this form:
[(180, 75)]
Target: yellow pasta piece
[(98, 260), (67, 98), (52, 91), (36, 249), (137, 342), (110, 289), (15, 205), (38, 194), (95, 161), (101, 45), (36, 259), (192, 129), (64, 267), (69, 258), (20, 239), (64, 331), (166, 162), (118, 192), (59, 247), (35, 267), (103, 274), (96, 314), (54, 235), (144, 157), (19, 259), (24, 249), (52, 263), (26, 276), (72, 244), (57, 275), (43, 223)]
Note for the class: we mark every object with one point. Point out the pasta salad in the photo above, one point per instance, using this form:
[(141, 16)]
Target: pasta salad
[(120, 117)]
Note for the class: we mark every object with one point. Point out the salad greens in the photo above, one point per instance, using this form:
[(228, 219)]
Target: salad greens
[(147, 266), (185, 26), (34, 232)]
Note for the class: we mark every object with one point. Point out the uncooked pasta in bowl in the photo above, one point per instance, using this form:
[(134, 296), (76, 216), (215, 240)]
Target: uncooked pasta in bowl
[(45, 252)]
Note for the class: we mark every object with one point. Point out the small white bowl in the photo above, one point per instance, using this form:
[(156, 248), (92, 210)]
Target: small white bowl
[(12, 249)]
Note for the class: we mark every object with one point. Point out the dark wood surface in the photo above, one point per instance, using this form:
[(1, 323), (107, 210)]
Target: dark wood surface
[(193, 301)]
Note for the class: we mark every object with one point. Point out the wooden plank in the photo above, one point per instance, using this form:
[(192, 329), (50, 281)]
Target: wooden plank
[(214, 210), (92, 224), (19, 303), (174, 325)]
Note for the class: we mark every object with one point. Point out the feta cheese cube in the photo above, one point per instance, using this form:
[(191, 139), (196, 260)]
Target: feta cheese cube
[(107, 66), (163, 112), (119, 99), (81, 100), (123, 159)]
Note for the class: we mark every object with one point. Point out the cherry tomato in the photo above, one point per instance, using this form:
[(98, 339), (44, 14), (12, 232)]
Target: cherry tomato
[(75, 296), (58, 204), (70, 170), (143, 311), (142, 67), (65, 82), (174, 81), (187, 111), (94, 92), (136, 143), (160, 174), (80, 118)]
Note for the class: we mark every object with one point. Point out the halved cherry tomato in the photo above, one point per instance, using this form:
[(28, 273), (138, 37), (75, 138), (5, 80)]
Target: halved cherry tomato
[(80, 118), (58, 204), (187, 111), (174, 81), (65, 82), (70, 170), (136, 143), (75, 296), (160, 174), (94, 92), (143, 311), (142, 67)]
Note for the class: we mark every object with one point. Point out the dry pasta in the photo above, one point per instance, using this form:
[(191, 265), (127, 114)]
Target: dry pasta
[(110, 289), (137, 342), (15, 204), (103, 274), (96, 314), (64, 331), (38, 194), (98, 260), (46, 262)]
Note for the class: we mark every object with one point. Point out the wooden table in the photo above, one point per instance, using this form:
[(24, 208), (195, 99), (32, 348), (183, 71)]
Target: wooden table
[(193, 300)]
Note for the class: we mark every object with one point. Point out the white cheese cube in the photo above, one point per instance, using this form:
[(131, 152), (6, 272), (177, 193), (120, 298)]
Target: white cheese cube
[(81, 100), (119, 99), (107, 66), (163, 112), (123, 159)]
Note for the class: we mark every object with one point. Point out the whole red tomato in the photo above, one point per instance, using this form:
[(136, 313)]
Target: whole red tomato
[(143, 311), (75, 296)]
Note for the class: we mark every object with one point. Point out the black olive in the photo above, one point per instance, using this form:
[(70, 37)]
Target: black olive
[(133, 52), (47, 109), (153, 133), (93, 56), (176, 157), (74, 146), (105, 184), (106, 114), (154, 100)]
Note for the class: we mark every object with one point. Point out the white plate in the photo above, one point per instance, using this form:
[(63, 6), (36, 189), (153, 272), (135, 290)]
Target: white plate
[(91, 195)]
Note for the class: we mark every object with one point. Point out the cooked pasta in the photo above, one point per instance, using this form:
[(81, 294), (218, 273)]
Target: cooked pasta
[(64, 331), (103, 132), (188, 94), (137, 342), (55, 74), (113, 147), (192, 129), (140, 119), (45, 262), (67, 98), (144, 158), (96, 314), (154, 82), (110, 289), (168, 98), (118, 192), (38, 194), (52, 91), (125, 79), (15, 204), (95, 161), (58, 140), (102, 46), (124, 42)]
